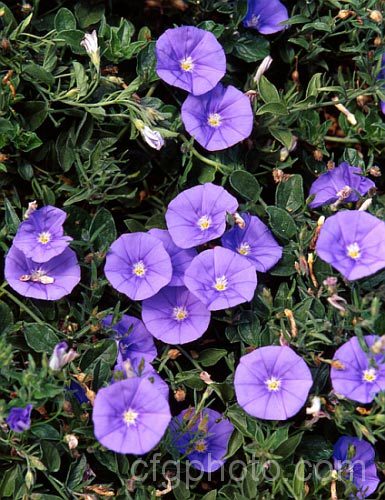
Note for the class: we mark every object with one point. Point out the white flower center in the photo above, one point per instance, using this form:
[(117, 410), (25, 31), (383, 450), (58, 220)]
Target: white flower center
[(38, 276), (44, 237), (353, 251), (180, 313), (254, 22), (204, 222), (273, 384), (130, 417), (221, 284), (186, 64), (344, 193), (200, 445), (369, 375), (214, 120), (244, 248), (139, 269)]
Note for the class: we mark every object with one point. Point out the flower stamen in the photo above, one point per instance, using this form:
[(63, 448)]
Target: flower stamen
[(353, 251), (186, 64), (273, 384), (130, 417), (44, 237), (214, 120), (204, 222), (244, 248), (221, 284), (139, 269), (369, 375), (179, 313)]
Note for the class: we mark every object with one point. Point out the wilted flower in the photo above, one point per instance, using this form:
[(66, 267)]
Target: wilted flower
[(41, 236), (175, 316), (221, 278), (266, 16), (355, 459), (353, 242), (50, 280), (360, 375), (218, 119), (272, 382), (255, 242), (198, 215), (90, 43), (138, 265), (343, 184), (263, 67), (130, 416), (202, 437), (19, 419), (152, 137), (71, 440), (61, 356), (190, 58), (32, 207)]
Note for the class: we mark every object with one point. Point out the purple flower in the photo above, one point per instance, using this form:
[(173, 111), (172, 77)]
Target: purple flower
[(180, 258), (221, 278), (50, 280), (138, 265), (134, 340), (218, 119), (343, 184), (19, 419), (190, 58), (381, 76), (40, 237), (353, 242), (78, 392), (142, 369), (355, 459), (265, 16), (175, 316), (203, 437), (272, 383), (130, 416), (61, 356), (361, 374), (255, 242), (198, 215)]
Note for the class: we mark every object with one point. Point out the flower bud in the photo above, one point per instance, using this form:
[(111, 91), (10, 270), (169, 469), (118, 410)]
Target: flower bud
[(376, 16), (71, 440), (263, 67), (61, 356), (90, 43)]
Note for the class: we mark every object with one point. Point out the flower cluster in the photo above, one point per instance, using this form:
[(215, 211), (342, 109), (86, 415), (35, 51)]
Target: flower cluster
[(39, 263)]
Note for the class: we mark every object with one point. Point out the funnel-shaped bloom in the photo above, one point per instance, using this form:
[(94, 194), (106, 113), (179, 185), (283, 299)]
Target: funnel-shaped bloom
[(266, 16)]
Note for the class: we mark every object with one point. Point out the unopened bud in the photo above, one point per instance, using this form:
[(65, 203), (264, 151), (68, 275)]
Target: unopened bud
[(263, 67), (366, 205), (206, 377), (317, 155), (377, 41), (173, 354), (349, 116), (376, 16), (344, 13), (29, 479), (375, 171), (71, 440)]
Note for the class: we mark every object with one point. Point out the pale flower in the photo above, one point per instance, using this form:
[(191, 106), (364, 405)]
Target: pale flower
[(90, 43)]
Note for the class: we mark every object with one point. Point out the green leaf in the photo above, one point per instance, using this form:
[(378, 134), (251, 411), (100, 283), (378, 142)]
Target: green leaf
[(314, 85), (76, 473), (34, 113), (12, 220), (215, 28), (38, 74), (45, 431), (285, 266), (8, 481), (288, 447), (315, 448), (267, 91), (275, 108), (102, 229), (290, 194), (65, 150), (51, 456), (210, 357), (236, 441), (40, 338), (105, 351), (6, 317), (88, 13), (64, 20), (245, 184), (211, 495), (72, 38), (281, 222), (299, 480), (146, 64), (284, 136), (207, 174), (251, 48)]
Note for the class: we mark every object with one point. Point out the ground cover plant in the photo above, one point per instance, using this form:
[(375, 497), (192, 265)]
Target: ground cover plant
[(193, 246)]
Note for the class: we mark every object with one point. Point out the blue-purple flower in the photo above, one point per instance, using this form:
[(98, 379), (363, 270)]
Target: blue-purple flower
[(19, 419), (190, 58), (266, 16), (381, 76), (254, 241), (61, 356)]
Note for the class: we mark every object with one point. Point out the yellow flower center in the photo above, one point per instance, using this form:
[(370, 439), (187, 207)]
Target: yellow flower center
[(186, 64), (139, 269), (221, 284), (369, 375), (180, 313), (353, 251), (130, 417), (214, 120), (244, 249), (204, 222), (200, 445), (44, 237), (273, 384)]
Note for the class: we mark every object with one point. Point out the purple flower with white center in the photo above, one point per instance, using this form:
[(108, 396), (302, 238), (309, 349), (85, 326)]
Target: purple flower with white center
[(175, 316), (381, 76), (180, 257), (219, 119), (203, 437), (138, 265), (130, 416), (360, 374), (266, 16), (353, 242), (142, 369), (198, 215), (190, 58), (61, 356), (272, 383), (19, 419), (343, 184), (134, 340), (355, 459), (221, 278), (50, 280), (255, 242), (41, 236)]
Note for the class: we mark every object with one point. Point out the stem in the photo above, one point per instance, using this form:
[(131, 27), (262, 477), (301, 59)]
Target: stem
[(21, 305), (192, 360), (212, 163), (347, 140)]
